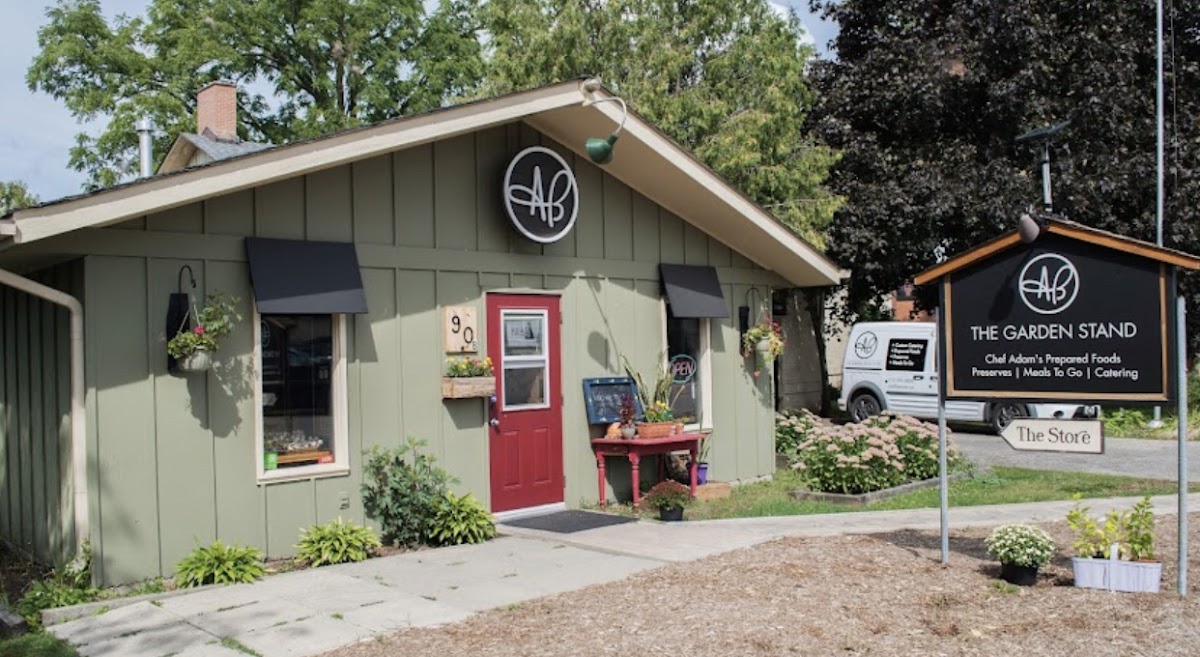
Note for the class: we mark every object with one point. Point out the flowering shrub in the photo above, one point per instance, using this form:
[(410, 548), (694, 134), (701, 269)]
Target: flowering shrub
[(466, 366), (791, 430), (1020, 545), (213, 322), (880, 452)]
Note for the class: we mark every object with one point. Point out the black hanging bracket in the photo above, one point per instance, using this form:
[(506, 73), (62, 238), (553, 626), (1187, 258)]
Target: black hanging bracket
[(179, 311)]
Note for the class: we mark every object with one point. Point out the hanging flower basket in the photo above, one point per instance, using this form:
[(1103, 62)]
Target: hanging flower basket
[(193, 346), (764, 342), (197, 361)]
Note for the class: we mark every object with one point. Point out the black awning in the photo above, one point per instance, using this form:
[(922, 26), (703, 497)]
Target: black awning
[(295, 277), (693, 291)]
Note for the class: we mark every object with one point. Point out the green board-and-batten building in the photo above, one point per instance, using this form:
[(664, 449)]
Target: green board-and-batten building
[(416, 206)]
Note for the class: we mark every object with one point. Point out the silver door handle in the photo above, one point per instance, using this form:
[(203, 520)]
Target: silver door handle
[(495, 422)]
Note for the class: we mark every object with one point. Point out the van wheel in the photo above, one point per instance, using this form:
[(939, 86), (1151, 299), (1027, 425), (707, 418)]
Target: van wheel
[(863, 406), (1004, 413)]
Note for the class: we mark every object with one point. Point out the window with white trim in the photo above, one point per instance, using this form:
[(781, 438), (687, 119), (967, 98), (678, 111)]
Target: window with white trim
[(525, 364), (301, 394), (687, 343)]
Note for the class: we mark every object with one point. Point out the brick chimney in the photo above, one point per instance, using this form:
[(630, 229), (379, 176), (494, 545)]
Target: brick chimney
[(216, 111)]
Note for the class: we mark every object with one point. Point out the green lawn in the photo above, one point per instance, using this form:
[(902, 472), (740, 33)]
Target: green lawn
[(38, 644), (1000, 486)]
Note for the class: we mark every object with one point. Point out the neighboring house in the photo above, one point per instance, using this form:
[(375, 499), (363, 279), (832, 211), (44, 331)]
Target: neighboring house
[(904, 306), (348, 253)]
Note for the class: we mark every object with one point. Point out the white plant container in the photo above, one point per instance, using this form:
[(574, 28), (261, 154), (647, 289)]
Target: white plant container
[(1117, 575), (197, 361)]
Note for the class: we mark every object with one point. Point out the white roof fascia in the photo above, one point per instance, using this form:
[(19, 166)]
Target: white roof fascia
[(7, 227), (157, 194)]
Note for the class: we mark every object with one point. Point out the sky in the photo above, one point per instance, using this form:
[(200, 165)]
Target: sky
[(37, 133)]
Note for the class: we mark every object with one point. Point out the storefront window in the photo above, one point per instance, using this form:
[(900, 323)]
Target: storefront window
[(301, 377), (687, 354)]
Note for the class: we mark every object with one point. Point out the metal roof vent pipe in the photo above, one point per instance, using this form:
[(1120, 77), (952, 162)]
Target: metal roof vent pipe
[(145, 130)]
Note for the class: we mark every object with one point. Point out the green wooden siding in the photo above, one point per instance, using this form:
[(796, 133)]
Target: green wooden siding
[(174, 455), (35, 411)]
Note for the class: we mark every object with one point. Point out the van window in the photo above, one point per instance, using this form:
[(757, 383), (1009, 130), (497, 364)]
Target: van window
[(906, 355)]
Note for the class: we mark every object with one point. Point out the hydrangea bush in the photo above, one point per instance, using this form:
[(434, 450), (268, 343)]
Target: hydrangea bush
[(881, 452), (1020, 545)]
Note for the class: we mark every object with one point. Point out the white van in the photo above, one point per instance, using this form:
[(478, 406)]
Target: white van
[(893, 366)]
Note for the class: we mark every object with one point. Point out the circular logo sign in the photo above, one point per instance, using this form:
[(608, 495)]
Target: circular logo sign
[(865, 345), (683, 369), (1049, 284), (540, 195)]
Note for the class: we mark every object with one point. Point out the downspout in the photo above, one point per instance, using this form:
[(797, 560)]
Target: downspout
[(78, 395)]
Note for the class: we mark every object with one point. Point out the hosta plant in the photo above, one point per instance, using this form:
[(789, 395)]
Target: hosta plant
[(461, 520), (336, 541), (219, 564), (1020, 545)]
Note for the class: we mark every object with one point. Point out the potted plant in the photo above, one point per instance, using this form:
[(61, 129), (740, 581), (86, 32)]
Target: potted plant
[(764, 341), (468, 377), (669, 497), (192, 348), (1118, 554), (1021, 551), (628, 411), (702, 464), (656, 406)]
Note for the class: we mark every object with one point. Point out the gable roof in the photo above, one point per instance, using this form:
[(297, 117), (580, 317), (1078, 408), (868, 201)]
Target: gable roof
[(188, 145), (1068, 229), (645, 159)]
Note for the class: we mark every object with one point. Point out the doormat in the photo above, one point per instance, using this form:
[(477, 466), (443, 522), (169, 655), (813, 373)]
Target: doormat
[(568, 522)]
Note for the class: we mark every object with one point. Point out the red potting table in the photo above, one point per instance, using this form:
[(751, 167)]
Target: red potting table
[(636, 448)]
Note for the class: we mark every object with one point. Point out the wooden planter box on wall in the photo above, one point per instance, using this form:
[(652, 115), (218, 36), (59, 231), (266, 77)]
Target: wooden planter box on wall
[(465, 387)]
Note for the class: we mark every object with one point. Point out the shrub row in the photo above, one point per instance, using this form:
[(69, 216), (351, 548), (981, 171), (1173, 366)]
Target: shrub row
[(878, 453)]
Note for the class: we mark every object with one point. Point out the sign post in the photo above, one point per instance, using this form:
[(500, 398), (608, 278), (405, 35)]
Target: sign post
[(1182, 422)]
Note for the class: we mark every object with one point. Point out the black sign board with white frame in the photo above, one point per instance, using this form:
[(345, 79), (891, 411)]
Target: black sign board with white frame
[(1063, 319), (541, 196)]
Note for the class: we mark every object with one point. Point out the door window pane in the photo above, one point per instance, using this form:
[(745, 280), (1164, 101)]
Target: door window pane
[(297, 390), (683, 352), (523, 335), (525, 386)]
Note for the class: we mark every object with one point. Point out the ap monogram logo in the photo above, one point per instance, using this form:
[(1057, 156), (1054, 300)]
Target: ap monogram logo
[(1049, 284), (866, 344)]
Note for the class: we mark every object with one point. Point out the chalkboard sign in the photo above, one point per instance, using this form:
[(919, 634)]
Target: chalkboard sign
[(603, 398)]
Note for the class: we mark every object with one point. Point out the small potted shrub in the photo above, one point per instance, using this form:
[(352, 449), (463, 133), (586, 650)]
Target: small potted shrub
[(192, 348), (669, 497), (765, 342), (1021, 551), (468, 377), (1118, 553)]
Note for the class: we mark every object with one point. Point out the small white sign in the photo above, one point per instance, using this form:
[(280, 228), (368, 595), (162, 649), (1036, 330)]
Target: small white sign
[(1050, 435)]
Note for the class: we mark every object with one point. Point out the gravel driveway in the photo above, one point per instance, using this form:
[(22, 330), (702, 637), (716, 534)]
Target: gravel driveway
[(1122, 456), (882, 595)]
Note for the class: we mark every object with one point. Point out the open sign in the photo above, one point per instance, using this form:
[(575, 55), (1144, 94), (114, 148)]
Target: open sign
[(683, 368)]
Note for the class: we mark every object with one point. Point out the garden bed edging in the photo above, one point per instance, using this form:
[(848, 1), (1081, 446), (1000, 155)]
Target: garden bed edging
[(864, 499)]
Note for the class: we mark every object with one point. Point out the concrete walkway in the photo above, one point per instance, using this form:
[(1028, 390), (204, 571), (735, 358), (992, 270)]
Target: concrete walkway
[(1157, 459), (314, 611)]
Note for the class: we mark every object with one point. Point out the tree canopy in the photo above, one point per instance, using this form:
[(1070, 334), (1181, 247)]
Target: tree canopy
[(726, 78), (925, 101), (317, 66), (14, 195)]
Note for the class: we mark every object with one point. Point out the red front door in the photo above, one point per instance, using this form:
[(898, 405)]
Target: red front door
[(526, 429)]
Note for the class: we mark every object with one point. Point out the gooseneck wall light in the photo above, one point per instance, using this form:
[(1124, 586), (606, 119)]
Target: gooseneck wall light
[(600, 150)]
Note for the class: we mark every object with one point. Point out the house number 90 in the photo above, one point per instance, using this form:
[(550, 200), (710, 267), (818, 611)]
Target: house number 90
[(461, 330)]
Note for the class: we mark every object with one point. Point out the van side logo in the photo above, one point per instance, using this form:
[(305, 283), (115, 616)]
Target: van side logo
[(541, 195), (866, 344), (1049, 284)]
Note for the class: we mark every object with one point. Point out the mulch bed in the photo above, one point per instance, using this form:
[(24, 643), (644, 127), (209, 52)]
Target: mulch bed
[(16, 573), (882, 595)]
